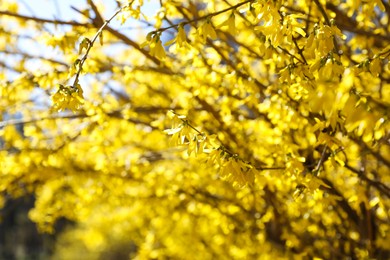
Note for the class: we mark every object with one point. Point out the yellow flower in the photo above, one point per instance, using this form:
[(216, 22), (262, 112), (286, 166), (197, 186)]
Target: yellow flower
[(156, 48), (230, 23), (181, 38), (68, 98), (207, 30)]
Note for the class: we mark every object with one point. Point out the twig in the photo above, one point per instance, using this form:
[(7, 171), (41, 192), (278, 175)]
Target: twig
[(27, 55), (6, 66), (321, 161), (24, 121), (90, 45), (42, 20), (225, 150), (132, 43), (203, 17), (300, 51), (113, 114), (327, 21), (264, 168), (377, 184), (119, 35), (376, 154), (292, 55)]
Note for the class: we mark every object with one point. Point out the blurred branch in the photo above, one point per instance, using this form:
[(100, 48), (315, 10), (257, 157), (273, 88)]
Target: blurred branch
[(8, 67), (379, 185), (97, 22), (42, 20), (376, 154), (342, 201), (327, 21), (346, 23), (114, 114), (203, 17), (29, 56), (91, 42)]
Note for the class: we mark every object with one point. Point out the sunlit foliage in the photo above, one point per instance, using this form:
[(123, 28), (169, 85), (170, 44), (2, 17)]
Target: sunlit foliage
[(217, 130)]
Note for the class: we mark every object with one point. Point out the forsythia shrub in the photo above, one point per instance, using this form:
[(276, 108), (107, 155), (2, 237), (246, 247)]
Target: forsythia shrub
[(216, 130)]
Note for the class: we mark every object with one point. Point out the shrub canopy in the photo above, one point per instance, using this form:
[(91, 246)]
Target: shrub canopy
[(201, 129)]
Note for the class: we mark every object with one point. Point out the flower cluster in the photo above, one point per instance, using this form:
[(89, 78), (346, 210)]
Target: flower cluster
[(68, 97)]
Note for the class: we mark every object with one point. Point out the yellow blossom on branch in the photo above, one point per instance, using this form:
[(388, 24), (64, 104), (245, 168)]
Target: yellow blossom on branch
[(68, 97)]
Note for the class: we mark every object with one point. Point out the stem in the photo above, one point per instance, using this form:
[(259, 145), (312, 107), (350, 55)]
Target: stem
[(90, 45), (321, 161), (113, 114), (327, 21), (42, 20), (292, 55), (203, 17), (231, 154)]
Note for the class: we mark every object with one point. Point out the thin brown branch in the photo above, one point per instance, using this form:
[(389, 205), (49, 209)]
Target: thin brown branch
[(8, 67), (292, 55), (377, 184), (346, 23), (29, 56), (42, 20), (342, 202), (327, 21), (324, 157), (113, 114), (203, 17), (133, 44), (98, 21), (372, 152), (323, 12), (90, 45)]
